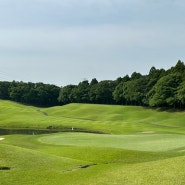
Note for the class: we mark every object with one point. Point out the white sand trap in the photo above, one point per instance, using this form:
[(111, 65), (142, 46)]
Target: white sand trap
[(1, 138)]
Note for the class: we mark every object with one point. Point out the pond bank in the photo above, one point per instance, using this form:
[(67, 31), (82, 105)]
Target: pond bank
[(36, 131)]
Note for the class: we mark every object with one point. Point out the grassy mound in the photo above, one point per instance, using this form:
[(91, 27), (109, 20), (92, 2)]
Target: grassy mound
[(33, 162), (109, 119), (142, 146)]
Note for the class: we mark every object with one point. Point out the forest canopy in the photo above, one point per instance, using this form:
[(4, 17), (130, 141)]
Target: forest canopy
[(159, 88)]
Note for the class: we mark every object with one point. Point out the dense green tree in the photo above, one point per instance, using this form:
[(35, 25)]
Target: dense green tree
[(102, 92), (135, 76), (47, 95), (4, 90), (36, 94), (65, 95), (92, 93), (80, 93), (132, 91), (154, 75), (125, 78), (179, 68), (93, 81), (118, 95), (118, 80), (164, 93), (53, 92), (181, 94), (19, 92)]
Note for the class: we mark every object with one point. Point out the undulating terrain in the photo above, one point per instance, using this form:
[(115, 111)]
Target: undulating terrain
[(91, 144)]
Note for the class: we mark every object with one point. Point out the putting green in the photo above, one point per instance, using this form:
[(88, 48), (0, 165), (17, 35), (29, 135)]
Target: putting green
[(141, 142)]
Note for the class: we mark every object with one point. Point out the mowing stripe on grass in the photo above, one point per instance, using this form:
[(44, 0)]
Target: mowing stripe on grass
[(141, 142)]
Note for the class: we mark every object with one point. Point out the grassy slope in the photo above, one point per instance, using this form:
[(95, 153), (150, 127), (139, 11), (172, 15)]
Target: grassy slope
[(46, 160), (32, 167), (36, 163), (111, 119)]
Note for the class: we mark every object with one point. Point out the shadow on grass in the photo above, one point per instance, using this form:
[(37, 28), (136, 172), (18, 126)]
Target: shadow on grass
[(48, 130), (4, 168), (165, 109)]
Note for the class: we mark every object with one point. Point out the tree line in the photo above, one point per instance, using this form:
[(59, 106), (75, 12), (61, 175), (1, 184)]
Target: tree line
[(159, 88), (38, 94)]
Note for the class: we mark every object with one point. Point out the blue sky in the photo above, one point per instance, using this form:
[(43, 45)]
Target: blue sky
[(66, 41)]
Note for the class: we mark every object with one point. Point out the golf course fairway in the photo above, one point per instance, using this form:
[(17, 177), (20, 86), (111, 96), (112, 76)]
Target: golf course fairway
[(83, 144)]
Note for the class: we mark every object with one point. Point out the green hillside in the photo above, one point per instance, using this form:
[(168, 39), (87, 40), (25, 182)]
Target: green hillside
[(105, 118), (139, 146), (45, 160)]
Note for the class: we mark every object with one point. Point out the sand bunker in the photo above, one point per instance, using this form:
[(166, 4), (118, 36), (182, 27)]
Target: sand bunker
[(1, 138)]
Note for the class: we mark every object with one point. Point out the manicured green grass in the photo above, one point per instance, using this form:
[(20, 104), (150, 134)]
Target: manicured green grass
[(109, 119), (141, 142), (32, 167), (141, 146), (34, 162)]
